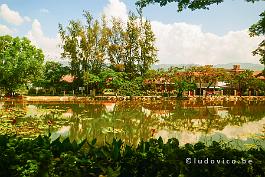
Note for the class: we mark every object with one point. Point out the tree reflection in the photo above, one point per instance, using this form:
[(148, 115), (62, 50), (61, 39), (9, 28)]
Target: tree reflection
[(130, 121)]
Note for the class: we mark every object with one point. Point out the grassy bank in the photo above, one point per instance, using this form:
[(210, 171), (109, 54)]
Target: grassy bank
[(40, 157)]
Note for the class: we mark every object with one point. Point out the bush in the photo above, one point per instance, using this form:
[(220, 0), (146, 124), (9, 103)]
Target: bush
[(131, 88), (40, 157)]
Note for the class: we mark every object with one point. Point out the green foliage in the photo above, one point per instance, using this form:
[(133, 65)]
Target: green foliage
[(184, 4), (52, 75), (261, 51), (22, 157), (91, 79), (85, 45), (20, 63), (258, 29), (140, 51), (148, 51), (184, 86), (30, 169), (132, 87), (93, 47), (245, 80), (112, 79), (54, 72)]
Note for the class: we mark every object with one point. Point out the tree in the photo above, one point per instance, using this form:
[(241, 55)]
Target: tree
[(243, 80), (20, 63), (257, 85), (112, 79), (258, 29), (92, 47), (131, 87), (91, 80), (148, 52), (53, 73), (183, 85), (132, 55), (207, 75), (85, 45), (116, 50), (198, 72), (183, 4), (140, 51)]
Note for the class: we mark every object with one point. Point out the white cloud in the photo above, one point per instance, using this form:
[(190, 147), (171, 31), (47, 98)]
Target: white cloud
[(178, 43), (4, 30), (182, 43), (45, 11), (117, 9), (50, 46), (12, 17), (27, 19)]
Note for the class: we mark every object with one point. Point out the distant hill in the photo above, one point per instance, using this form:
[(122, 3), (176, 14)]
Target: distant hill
[(166, 66), (250, 66)]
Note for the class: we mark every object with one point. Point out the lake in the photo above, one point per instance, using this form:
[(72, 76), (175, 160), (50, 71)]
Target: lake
[(239, 123)]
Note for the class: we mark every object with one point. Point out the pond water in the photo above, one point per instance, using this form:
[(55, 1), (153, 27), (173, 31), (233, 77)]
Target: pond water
[(239, 123)]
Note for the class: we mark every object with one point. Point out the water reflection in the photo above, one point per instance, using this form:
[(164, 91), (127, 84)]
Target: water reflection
[(132, 121)]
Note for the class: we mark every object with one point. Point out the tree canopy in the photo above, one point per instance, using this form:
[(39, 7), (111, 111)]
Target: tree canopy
[(258, 29), (96, 45), (53, 73), (20, 63), (184, 4)]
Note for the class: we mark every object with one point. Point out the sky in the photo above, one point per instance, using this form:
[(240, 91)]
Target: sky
[(215, 36)]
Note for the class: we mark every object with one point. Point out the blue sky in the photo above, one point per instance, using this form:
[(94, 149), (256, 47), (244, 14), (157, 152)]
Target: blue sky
[(221, 25)]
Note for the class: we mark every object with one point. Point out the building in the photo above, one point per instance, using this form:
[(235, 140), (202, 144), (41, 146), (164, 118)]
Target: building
[(205, 78), (236, 69)]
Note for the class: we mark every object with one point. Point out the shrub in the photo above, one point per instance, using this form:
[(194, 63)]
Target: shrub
[(40, 157)]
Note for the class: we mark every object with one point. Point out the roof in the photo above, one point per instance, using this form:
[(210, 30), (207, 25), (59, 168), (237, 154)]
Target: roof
[(68, 78), (259, 75)]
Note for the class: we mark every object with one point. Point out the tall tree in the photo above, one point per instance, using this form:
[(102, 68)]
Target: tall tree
[(85, 45), (132, 49), (132, 54), (116, 50), (140, 50), (20, 63), (148, 51), (92, 47)]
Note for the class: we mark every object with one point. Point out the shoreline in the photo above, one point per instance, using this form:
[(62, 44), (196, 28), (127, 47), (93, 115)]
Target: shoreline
[(128, 98)]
